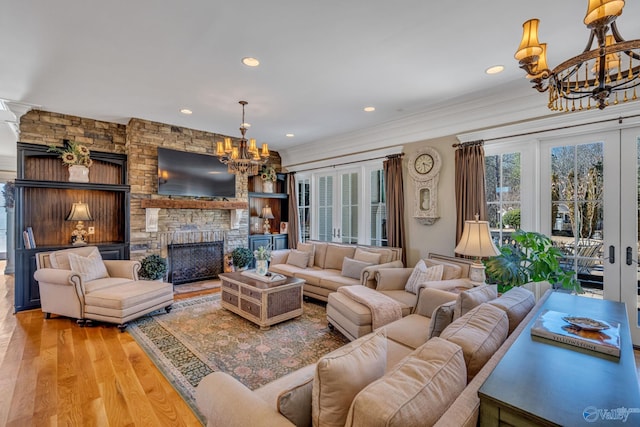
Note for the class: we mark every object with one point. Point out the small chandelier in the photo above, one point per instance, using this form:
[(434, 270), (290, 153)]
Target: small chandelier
[(612, 67), (242, 158)]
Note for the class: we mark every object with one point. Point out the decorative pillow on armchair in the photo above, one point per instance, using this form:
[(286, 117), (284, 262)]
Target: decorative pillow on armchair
[(90, 267), (422, 274)]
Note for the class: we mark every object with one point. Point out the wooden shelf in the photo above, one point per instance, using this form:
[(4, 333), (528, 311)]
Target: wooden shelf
[(192, 204)]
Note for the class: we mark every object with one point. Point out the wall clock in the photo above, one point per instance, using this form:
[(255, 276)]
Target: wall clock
[(424, 169)]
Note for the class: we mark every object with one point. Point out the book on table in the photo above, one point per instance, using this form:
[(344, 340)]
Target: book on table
[(579, 331)]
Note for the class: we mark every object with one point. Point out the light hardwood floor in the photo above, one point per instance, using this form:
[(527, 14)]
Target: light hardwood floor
[(54, 373)]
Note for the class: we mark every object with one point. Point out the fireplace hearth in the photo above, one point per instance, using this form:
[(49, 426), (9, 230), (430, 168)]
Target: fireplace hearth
[(192, 262)]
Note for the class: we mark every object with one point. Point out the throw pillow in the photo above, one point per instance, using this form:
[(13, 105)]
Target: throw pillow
[(416, 392), (441, 318), (473, 297), (365, 256), (450, 270), (298, 258), (90, 267), (310, 248), (353, 268), (294, 403), (340, 375), (480, 333), (421, 274)]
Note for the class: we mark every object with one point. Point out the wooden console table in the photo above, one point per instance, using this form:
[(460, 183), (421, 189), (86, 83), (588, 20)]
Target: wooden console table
[(550, 384), (262, 303)]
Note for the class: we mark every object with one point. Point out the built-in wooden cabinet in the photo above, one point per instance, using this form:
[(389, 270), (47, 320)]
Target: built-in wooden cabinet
[(278, 201), (43, 200)]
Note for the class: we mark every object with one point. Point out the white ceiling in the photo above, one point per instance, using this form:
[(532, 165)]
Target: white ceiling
[(321, 61)]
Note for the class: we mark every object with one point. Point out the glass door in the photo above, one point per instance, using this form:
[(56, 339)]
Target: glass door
[(338, 201)]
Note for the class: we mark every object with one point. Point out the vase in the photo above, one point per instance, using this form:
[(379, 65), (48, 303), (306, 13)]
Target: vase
[(78, 173), (267, 186), (262, 267)]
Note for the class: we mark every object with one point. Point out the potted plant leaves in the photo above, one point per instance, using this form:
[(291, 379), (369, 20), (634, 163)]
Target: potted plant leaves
[(153, 267), (531, 258), (242, 257)]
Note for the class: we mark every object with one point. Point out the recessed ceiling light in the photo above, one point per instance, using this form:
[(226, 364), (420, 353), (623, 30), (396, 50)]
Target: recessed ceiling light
[(289, 135), (495, 69), (186, 111), (250, 62), (369, 109)]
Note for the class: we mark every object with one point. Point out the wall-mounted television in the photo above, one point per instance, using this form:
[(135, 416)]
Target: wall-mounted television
[(193, 174)]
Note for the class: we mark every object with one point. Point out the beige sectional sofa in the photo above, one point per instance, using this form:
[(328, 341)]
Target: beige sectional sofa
[(396, 375), (329, 266)]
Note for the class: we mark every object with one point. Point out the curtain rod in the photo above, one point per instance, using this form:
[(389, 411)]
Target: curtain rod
[(469, 143), (341, 164), (619, 119)]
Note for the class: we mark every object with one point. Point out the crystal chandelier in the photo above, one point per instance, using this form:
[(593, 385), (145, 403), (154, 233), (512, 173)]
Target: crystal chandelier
[(242, 158), (612, 67)]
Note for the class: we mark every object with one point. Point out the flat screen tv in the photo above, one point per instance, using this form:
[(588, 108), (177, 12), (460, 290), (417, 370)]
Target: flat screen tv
[(192, 174)]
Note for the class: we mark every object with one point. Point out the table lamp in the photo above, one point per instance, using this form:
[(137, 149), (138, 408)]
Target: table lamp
[(79, 212), (267, 215), (476, 242)]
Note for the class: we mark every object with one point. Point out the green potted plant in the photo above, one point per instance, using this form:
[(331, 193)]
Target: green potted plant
[(531, 258), (153, 267), (242, 257)]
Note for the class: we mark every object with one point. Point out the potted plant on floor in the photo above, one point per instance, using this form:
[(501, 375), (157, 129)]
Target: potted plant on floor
[(531, 258), (242, 257), (153, 267)]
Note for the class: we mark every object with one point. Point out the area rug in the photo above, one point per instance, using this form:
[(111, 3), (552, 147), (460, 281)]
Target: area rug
[(199, 337)]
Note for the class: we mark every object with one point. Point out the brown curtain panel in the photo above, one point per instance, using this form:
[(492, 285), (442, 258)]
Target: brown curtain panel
[(292, 238), (395, 203), (470, 187)]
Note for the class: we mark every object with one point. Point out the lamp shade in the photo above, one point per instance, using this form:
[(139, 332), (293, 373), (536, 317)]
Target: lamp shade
[(602, 12), (266, 213), (79, 212), (529, 46), (476, 240)]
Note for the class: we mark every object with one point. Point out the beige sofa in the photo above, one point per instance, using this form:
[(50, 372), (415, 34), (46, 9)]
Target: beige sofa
[(354, 319), (424, 379), (326, 268)]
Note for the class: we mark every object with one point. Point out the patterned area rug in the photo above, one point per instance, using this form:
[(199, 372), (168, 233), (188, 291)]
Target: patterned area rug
[(199, 337)]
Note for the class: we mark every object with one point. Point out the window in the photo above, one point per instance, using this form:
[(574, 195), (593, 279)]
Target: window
[(304, 208), (378, 208), (502, 179)]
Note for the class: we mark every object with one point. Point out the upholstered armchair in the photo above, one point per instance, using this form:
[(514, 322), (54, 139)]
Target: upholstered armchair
[(77, 283)]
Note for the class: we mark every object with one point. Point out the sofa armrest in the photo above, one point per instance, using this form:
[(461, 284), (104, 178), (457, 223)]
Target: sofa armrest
[(122, 268), (280, 256), (57, 276), (224, 401), (431, 298), (392, 279), (445, 285), (368, 276)]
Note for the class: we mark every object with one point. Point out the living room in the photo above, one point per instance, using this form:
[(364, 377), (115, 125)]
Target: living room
[(424, 113)]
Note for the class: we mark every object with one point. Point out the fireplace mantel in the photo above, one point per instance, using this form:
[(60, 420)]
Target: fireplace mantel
[(193, 204)]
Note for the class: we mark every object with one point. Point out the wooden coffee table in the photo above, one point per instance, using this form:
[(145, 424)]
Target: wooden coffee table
[(262, 303)]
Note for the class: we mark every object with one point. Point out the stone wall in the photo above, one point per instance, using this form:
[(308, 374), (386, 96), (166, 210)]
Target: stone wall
[(140, 139)]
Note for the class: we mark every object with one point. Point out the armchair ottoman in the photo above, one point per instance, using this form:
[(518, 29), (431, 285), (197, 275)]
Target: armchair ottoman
[(77, 283)]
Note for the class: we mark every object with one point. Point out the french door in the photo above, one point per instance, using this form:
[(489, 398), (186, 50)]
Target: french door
[(338, 201), (589, 207)]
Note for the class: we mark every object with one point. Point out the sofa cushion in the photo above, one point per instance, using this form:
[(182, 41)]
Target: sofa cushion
[(420, 274), (353, 268), (416, 392), (407, 300), (441, 318), (517, 303), (341, 374), (450, 270), (311, 249), (470, 299), (410, 330), (480, 333), (366, 256), (298, 258), (336, 254), (90, 267), (320, 253)]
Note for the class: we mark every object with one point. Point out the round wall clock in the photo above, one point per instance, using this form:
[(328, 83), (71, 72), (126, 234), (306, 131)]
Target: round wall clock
[(424, 164)]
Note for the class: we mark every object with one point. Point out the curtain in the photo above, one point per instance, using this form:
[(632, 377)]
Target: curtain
[(395, 203), (293, 211), (470, 186)]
